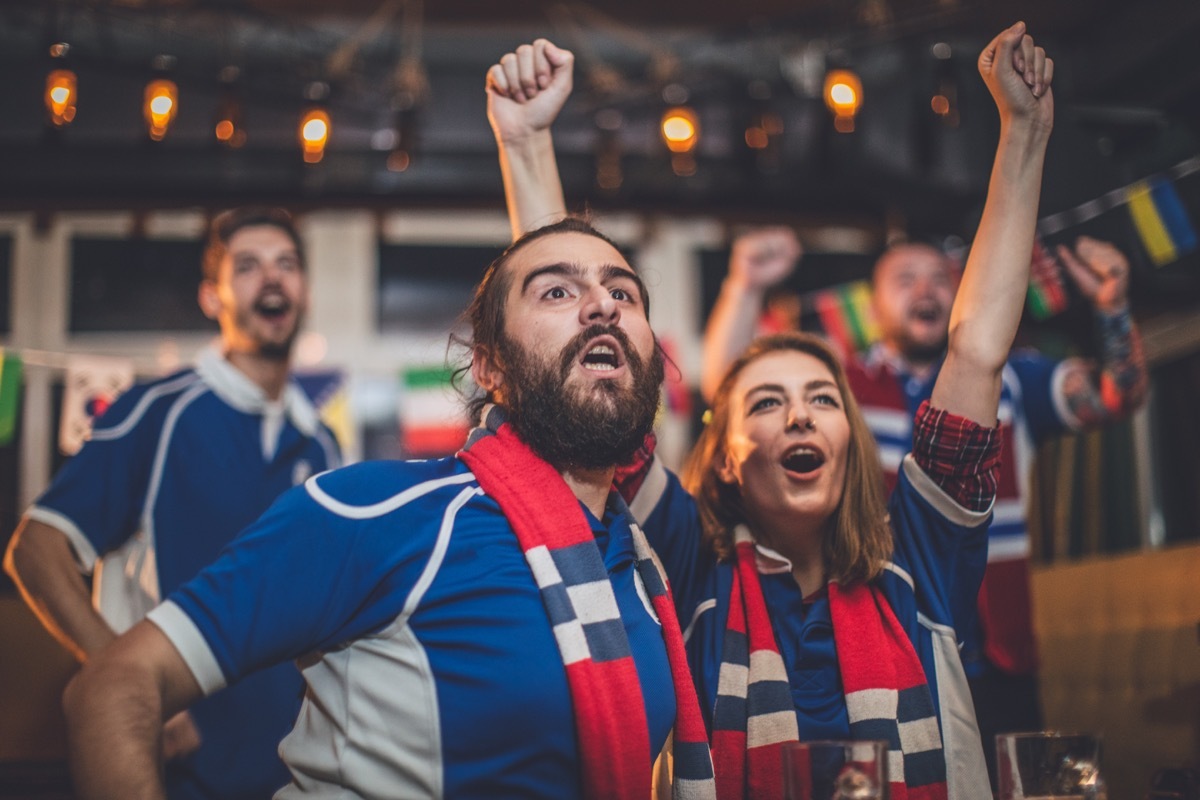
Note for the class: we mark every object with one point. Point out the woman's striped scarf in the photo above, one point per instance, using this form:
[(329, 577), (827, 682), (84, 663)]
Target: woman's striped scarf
[(610, 715), (887, 696)]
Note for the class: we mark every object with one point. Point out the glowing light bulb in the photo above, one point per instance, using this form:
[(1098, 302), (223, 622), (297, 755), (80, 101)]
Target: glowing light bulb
[(680, 129), (159, 107), (60, 97), (314, 134)]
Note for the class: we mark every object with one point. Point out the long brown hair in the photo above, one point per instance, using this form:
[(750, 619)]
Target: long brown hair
[(485, 314), (858, 539)]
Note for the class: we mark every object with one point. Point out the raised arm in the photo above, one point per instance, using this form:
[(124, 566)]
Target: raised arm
[(987, 308), (760, 259), (1098, 395), (526, 89), (115, 709)]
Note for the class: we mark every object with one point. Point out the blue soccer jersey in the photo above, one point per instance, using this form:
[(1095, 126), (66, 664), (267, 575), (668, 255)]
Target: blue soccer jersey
[(432, 668), (931, 583), (172, 472), (1032, 408)]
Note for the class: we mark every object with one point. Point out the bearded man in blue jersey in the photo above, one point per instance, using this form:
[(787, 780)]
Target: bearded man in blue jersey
[(487, 625)]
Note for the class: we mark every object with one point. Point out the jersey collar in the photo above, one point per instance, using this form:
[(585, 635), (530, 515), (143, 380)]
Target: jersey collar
[(232, 386)]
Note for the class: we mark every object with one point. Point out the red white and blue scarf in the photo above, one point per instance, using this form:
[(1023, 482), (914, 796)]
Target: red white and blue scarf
[(610, 715), (887, 696)]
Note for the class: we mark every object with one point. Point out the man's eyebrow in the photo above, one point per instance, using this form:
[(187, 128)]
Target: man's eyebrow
[(608, 272), (561, 268), (613, 271)]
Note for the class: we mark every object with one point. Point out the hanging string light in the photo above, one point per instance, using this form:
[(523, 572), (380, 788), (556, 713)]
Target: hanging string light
[(61, 92), (843, 96), (227, 127), (680, 129), (944, 102), (160, 101), (315, 124)]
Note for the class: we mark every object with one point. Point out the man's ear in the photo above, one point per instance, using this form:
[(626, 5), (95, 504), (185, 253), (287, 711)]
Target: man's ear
[(210, 303), (485, 371)]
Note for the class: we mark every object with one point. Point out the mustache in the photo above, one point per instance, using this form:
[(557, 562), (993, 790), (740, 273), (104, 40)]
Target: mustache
[(573, 348)]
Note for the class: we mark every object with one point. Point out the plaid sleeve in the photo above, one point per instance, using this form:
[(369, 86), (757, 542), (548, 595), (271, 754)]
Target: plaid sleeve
[(629, 476), (961, 456)]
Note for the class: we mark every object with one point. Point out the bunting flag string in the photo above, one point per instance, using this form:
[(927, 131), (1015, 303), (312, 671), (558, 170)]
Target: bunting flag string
[(10, 394), (1056, 223), (843, 313), (1047, 294), (1164, 230), (1161, 221)]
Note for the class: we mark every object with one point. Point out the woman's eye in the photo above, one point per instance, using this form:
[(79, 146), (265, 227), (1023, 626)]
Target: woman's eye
[(764, 403), (827, 400)]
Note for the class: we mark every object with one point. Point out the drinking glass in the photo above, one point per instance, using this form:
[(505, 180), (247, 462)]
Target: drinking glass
[(835, 770), (1047, 765)]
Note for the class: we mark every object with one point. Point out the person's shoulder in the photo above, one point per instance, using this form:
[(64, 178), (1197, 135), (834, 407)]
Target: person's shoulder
[(145, 400), (376, 488)]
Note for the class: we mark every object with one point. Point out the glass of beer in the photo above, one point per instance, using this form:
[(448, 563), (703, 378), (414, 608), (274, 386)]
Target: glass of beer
[(835, 770), (1047, 765)]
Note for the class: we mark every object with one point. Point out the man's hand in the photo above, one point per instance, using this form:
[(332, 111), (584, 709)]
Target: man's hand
[(181, 737), (764, 257), (1018, 75), (527, 89), (1099, 270)]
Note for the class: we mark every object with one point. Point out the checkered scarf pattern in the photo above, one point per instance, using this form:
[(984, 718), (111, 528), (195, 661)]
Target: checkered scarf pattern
[(610, 716), (887, 696)]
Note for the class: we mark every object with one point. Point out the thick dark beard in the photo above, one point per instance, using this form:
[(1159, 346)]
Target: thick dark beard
[(272, 350), (568, 427)]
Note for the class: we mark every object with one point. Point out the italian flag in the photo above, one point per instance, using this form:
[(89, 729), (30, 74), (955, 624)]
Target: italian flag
[(432, 419)]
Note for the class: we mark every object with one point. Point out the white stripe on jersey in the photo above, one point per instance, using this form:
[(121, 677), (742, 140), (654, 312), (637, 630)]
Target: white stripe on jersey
[(139, 410), (384, 506)]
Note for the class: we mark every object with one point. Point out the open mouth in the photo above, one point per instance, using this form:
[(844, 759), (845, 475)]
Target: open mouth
[(272, 306), (803, 460), (926, 313), (601, 357)]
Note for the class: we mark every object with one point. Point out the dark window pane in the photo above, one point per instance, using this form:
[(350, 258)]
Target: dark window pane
[(135, 285), (426, 287)]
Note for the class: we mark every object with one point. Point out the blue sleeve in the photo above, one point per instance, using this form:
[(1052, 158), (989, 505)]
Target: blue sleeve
[(672, 528), (942, 546), (303, 578), (1036, 375), (102, 489)]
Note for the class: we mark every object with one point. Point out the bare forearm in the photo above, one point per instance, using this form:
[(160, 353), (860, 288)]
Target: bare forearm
[(987, 308), (43, 568), (730, 330), (532, 187), (114, 726), (115, 708)]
